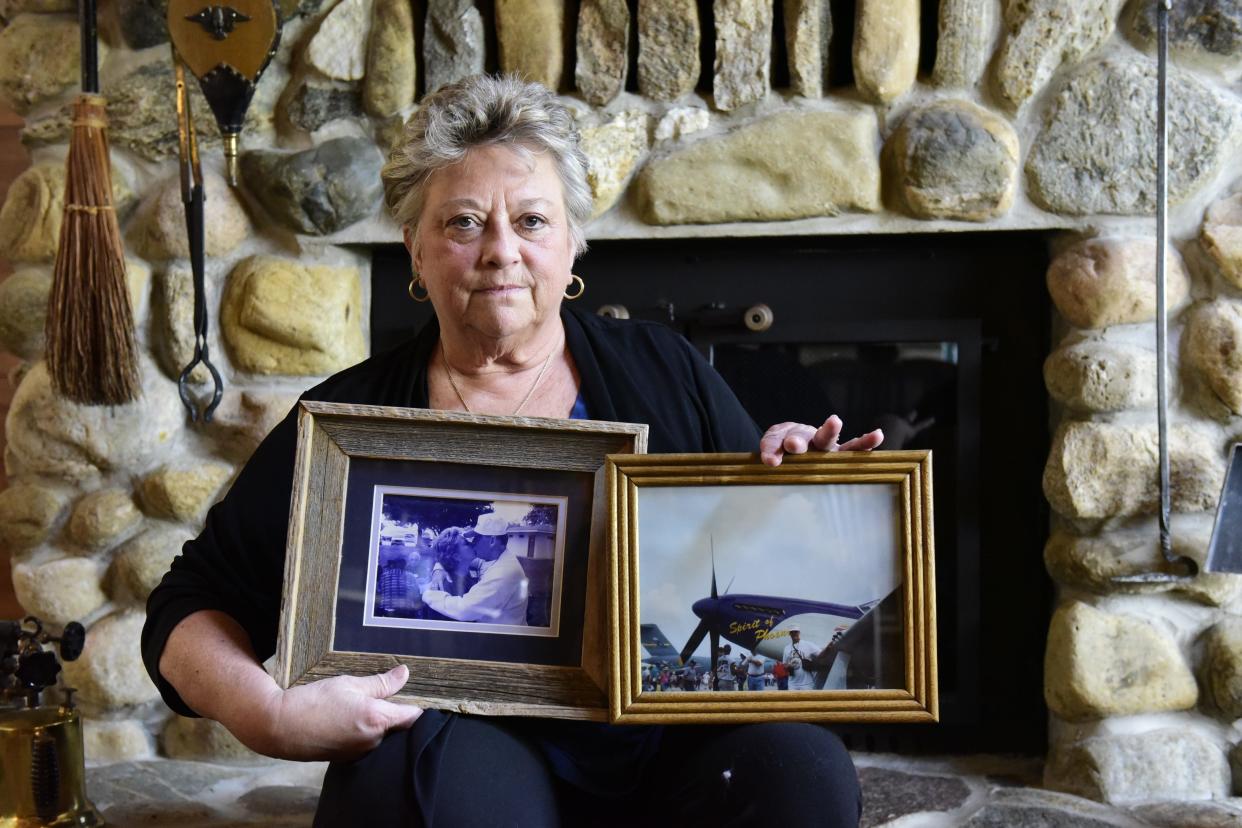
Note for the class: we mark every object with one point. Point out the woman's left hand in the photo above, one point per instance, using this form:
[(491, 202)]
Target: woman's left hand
[(797, 438)]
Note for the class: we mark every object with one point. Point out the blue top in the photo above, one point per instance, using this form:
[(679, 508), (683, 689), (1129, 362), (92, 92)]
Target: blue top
[(579, 411)]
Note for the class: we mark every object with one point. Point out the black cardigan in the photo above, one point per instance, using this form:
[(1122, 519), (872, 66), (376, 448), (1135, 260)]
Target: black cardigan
[(638, 372)]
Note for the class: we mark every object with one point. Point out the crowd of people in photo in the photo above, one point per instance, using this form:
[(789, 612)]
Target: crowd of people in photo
[(743, 671)]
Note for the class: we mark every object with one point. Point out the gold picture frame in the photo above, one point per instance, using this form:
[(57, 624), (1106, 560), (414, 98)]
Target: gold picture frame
[(662, 509), (366, 477)]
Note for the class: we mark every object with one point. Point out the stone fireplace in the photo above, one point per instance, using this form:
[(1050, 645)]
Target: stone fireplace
[(712, 123)]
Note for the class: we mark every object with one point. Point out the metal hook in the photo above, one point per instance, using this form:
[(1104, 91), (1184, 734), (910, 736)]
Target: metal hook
[(201, 355)]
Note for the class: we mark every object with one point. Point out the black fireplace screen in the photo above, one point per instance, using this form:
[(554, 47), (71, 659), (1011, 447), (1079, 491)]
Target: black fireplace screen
[(939, 340)]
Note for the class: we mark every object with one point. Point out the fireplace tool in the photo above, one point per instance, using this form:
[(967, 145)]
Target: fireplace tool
[(192, 197), (42, 768), (1176, 568), (1225, 548), (227, 48), (91, 355)]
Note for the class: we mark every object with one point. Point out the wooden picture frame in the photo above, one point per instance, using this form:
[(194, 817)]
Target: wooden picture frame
[(357, 466), (824, 535)]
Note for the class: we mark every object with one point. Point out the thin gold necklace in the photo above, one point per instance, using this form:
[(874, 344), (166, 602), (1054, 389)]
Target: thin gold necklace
[(449, 372)]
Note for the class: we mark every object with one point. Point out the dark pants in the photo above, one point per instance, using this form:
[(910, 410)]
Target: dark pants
[(480, 772)]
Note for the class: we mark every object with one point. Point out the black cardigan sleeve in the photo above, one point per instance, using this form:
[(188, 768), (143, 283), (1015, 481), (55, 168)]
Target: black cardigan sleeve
[(236, 565)]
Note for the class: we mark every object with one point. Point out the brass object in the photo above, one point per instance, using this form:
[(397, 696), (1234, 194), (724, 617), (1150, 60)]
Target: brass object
[(581, 287), (226, 47), (412, 289), (42, 768), (42, 772)]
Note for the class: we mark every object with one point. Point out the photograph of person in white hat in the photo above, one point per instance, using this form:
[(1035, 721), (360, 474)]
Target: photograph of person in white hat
[(487, 562), (798, 654)]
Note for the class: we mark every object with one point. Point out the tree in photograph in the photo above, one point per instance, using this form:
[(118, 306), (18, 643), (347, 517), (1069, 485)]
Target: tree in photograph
[(435, 512), (543, 514)]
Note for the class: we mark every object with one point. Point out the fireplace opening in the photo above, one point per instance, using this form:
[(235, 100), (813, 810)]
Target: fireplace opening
[(938, 339)]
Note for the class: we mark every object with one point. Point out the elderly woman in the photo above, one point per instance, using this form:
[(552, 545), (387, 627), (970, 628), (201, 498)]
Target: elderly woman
[(489, 186)]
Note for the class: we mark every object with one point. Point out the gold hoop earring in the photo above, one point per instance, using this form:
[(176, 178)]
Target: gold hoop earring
[(581, 287), (413, 288)]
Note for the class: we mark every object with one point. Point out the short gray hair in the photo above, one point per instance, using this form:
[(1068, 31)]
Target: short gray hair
[(479, 111)]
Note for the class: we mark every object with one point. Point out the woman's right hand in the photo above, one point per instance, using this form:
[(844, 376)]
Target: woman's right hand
[(209, 660), (342, 717)]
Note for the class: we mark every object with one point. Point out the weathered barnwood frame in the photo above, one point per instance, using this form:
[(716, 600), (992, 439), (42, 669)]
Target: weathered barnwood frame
[(330, 435)]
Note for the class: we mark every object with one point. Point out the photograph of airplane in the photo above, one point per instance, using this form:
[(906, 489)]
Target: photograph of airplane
[(822, 595), (760, 624)]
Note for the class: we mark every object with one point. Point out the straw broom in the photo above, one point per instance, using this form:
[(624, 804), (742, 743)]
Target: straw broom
[(91, 354)]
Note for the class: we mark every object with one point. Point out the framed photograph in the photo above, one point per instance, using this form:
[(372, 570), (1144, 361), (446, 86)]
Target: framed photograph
[(742, 592), (470, 548), (434, 538)]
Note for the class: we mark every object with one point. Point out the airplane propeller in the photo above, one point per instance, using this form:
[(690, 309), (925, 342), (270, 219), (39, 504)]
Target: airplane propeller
[(704, 629), (701, 631), (696, 638)]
